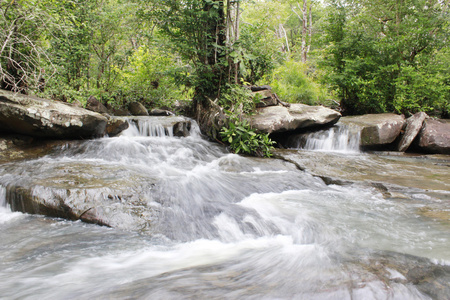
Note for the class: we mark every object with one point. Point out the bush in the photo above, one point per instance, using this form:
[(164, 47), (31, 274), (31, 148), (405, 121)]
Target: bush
[(243, 139), (149, 77), (292, 84)]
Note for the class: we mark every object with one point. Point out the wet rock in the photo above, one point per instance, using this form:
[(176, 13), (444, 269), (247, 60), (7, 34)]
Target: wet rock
[(274, 119), (39, 117), (93, 194), (413, 126), (377, 129), (96, 106), (434, 137), (20, 147), (211, 118), (137, 109), (429, 278), (115, 126), (160, 112)]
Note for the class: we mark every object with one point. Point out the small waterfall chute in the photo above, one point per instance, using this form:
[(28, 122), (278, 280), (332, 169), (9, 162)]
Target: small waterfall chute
[(167, 126), (339, 138)]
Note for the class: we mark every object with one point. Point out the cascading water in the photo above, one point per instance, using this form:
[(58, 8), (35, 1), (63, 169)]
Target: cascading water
[(339, 138), (192, 221)]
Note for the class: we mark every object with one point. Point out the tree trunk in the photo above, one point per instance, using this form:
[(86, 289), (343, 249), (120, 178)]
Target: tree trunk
[(304, 30)]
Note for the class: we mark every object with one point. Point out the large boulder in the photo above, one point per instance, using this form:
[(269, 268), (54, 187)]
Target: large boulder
[(434, 137), (39, 117), (377, 129), (94, 105), (413, 126), (137, 109), (275, 119)]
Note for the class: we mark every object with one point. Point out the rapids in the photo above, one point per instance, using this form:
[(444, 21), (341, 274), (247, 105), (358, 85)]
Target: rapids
[(192, 221)]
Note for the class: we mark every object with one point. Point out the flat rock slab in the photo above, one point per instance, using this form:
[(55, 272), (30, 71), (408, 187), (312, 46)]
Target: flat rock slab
[(435, 136), (39, 117), (377, 129), (274, 119), (413, 126)]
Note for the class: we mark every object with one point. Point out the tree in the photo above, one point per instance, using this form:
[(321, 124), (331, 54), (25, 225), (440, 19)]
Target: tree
[(375, 48), (23, 25), (198, 29)]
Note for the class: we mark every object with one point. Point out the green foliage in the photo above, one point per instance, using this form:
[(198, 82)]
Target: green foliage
[(292, 84), (382, 55), (421, 90), (260, 50), (149, 77), (196, 28), (237, 100), (243, 139)]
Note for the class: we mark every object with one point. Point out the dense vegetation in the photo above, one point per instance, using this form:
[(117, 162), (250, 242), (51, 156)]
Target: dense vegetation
[(369, 56)]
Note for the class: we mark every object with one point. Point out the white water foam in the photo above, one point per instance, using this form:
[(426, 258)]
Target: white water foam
[(339, 138), (6, 215), (158, 127)]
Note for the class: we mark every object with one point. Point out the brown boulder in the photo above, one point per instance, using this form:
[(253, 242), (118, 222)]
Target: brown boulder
[(116, 125), (434, 137), (137, 109), (96, 106)]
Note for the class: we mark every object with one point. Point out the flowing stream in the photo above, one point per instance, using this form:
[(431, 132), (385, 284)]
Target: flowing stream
[(192, 221)]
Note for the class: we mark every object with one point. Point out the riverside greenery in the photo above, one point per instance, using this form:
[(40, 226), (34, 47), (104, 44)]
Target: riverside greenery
[(370, 56)]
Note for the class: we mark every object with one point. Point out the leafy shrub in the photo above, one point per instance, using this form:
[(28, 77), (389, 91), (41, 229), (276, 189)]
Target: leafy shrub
[(237, 100), (243, 139), (292, 84), (149, 77)]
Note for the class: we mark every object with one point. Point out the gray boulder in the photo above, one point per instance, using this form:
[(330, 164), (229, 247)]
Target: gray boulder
[(274, 119), (137, 109), (413, 126), (377, 129), (434, 137), (39, 117)]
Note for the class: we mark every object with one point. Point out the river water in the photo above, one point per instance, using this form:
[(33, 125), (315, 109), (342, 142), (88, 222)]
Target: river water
[(192, 221)]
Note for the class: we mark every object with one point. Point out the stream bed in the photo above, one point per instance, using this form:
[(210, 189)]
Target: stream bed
[(189, 220)]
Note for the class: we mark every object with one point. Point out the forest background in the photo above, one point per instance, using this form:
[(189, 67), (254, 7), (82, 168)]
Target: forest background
[(366, 56)]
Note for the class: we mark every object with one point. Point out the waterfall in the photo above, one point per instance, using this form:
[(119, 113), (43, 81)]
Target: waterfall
[(2, 196), (340, 138), (161, 127), (189, 220)]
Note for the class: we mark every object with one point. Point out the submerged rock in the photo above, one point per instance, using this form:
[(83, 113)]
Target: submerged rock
[(39, 117), (413, 126), (434, 137), (275, 119), (377, 129)]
